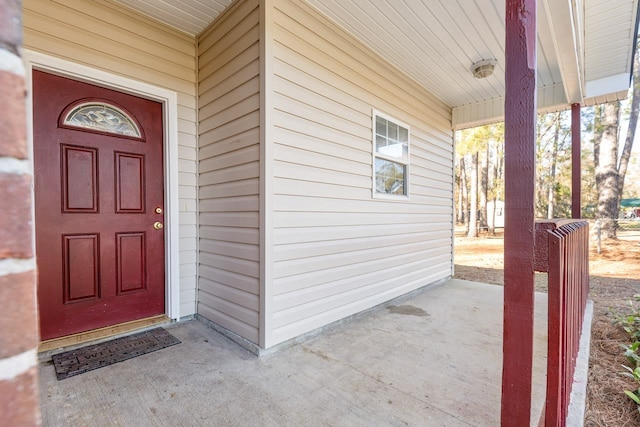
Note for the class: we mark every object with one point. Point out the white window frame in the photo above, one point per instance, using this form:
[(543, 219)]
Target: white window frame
[(376, 155)]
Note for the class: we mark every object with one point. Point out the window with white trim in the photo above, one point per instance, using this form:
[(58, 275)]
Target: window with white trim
[(390, 157)]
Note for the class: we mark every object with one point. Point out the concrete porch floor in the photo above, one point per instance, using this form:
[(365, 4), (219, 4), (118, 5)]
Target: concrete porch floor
[(391, 367)]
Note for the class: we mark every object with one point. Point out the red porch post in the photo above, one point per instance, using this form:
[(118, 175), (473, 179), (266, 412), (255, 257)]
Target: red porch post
[(520, 137), (576, 169)]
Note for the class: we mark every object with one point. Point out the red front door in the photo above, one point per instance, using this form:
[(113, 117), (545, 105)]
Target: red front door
[(99, 206)]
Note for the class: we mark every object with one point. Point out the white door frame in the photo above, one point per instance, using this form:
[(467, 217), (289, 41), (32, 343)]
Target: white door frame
[(169, 99)]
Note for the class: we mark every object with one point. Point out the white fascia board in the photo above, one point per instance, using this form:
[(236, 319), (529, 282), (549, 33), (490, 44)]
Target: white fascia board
[(609, 97), (550, 98), (607, 85), (564, 21)]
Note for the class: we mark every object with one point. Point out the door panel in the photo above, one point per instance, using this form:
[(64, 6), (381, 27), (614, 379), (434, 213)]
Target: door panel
[(79, 179), (100, 259), (129, 182), (131, 262), (81, 267)]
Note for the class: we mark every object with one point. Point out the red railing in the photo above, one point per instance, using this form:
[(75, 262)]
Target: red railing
[(567, 264)]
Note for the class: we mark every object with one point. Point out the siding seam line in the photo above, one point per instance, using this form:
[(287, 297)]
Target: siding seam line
[(196, 296)]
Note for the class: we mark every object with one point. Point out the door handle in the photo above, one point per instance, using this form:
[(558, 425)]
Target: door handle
[(157, 225)]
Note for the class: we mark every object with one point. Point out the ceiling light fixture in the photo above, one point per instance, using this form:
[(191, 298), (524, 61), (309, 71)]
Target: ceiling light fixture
[(484, 68)]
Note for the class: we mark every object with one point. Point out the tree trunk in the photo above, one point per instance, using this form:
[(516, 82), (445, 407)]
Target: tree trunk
[(496, 176), (606, 169), (484, 190), (458, 182), (465, 193), (473, 208), (552, 172), (598, 128), (633, 124), (492, 215)]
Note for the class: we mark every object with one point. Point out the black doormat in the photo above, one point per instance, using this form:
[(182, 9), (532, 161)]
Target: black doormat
[(76, 362)]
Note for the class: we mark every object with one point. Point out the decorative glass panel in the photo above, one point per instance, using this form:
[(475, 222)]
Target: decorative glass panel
[(102, 117)]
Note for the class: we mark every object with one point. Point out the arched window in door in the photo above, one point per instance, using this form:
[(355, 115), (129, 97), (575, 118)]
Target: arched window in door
[(101, 116)]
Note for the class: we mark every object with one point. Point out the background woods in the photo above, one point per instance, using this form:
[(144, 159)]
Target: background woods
[(610, 167)]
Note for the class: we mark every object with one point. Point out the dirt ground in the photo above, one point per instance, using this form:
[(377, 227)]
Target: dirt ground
[(615, 278)]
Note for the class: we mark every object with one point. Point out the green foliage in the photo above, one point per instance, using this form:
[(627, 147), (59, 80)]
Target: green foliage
[(633, 373), (629, 225), (632, 181), (563, 200), (475, 140), (631, 324), (553, 165), (631, 353), (553, 161), (634, 396), (486, 145)]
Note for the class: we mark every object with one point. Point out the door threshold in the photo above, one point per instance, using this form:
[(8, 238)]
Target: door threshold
[(56, 345)]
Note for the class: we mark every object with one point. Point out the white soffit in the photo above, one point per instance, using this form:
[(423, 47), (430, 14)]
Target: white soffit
[(436, 41), (188, 16), (610, 34), (584, 46)]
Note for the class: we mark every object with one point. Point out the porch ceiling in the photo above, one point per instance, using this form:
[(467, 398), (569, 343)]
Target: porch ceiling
[(189, 16), (585, 47)]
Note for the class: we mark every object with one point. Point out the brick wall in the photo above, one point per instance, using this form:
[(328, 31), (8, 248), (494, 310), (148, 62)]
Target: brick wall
[(18, 315)]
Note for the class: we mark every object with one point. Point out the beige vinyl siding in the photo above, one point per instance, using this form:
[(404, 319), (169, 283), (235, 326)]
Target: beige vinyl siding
[(229, 162), (106, 36), (337, 250)]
